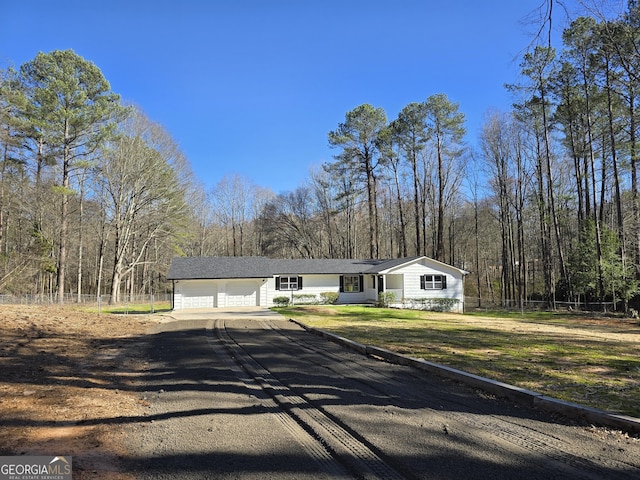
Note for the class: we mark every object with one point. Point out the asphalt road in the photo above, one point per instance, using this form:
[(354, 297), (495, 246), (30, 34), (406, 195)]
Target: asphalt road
[(246, 396)]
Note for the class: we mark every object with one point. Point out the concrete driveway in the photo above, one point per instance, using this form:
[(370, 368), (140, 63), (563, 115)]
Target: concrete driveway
[(225, 313)]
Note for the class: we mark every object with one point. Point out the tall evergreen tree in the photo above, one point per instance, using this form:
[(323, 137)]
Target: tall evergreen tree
[(71, 110), (409, 133), (445, 130), (359, 138)]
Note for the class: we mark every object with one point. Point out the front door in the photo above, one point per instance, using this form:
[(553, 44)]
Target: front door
[(380, 283)]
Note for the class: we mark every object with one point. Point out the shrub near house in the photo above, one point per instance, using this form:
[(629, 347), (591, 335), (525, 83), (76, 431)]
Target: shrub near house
[(432, 304)]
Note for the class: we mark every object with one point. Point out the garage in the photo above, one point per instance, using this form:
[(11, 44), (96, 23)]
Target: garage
[(198, 294), (242, 294)]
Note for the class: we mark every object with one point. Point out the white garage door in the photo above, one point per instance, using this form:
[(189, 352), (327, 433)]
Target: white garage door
[(242, 294), (198, 295)]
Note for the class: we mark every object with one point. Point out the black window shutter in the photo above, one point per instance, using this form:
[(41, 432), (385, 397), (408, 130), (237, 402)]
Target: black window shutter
[(299, 283), (444, 282), (341, 283), (422, 283), (277, 283), (362, 283)]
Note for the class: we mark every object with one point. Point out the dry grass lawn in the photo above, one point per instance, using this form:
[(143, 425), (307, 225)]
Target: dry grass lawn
[(589, 360)]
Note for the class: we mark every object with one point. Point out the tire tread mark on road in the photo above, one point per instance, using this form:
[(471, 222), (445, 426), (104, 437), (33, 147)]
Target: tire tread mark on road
[(357, 456), (309, 444), (488, 425)]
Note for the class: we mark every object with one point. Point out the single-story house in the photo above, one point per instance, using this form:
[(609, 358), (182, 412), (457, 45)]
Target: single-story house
[(416, 282)]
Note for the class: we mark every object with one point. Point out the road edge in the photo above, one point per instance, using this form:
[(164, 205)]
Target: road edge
[(534, 399)]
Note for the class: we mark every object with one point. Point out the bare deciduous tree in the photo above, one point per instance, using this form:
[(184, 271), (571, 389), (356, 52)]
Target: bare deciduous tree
[(143, 179)]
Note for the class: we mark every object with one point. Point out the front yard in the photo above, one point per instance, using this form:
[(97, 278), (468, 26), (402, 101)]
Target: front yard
[(574, 357)]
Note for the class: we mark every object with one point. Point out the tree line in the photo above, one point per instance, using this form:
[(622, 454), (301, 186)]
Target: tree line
[(96, 198), (546, 207), (92, 192)]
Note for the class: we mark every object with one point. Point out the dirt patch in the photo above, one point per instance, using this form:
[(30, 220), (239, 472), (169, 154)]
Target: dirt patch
[(66, 384)]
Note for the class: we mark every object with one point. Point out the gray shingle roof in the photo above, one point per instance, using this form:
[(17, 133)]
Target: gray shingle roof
[(387, 264), (324, 266), (183, 268)]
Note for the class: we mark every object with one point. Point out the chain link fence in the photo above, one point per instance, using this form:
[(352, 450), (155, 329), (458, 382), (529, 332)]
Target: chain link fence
[(88, 300), (475, 304)]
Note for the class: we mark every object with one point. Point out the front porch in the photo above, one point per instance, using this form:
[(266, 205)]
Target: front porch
[(392, 283)]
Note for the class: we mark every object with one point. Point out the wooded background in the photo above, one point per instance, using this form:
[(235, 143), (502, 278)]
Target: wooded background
[(95, 198)]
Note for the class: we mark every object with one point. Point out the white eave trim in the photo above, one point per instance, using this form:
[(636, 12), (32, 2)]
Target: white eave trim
[(444, 266)]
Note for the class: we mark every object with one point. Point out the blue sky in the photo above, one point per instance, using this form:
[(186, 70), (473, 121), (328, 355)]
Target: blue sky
[(253, 87)]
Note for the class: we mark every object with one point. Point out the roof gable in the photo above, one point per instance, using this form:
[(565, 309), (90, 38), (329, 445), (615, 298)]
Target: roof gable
[(399, 263), (389, 264)]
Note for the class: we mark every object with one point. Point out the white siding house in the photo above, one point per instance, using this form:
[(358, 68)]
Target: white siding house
[(212, 282), (425, 282)]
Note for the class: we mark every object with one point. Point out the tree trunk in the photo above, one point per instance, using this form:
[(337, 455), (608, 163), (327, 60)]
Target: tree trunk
[(635, 202), (520, 202), (477, 235), (80, 239), (64, 217), (100, 267), (440, 207), (596, 215), (403, 226), (549, 170), (116, 280), (544, 226), (614, 159), (596, 220), (116, 275), (373, 211), (416, 201), (5, 159)]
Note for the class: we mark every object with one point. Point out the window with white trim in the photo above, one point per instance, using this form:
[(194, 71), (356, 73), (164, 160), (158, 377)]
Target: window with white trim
[(288, 283), (351, 283), (433, 282)]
